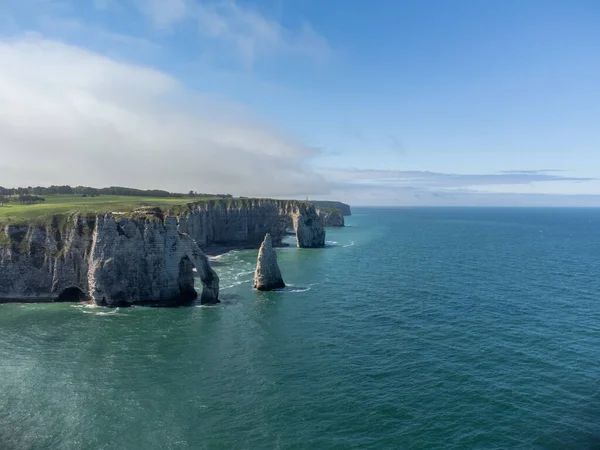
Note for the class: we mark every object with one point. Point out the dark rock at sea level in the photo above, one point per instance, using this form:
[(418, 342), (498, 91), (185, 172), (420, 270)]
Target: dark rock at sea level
[(267, 275)]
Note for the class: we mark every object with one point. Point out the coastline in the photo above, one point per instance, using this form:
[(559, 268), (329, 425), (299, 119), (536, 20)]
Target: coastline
[(41, 262), (215, 251)]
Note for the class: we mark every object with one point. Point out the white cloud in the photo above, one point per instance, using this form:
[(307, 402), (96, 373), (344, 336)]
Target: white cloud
[(253, 35), (240, 29), (426, 180), (416, 187), (114, 42), (163, 13), (68, 115)]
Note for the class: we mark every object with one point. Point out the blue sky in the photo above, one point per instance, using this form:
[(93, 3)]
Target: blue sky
[(386, 102)]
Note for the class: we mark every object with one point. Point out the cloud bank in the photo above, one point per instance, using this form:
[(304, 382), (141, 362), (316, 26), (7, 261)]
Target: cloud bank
[(72, 116), (426, 180), (68, 115), (425, 188)]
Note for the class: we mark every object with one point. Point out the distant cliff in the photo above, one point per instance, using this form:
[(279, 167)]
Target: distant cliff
[(244, 222), (143, 257), (331, 217), (331, 204)]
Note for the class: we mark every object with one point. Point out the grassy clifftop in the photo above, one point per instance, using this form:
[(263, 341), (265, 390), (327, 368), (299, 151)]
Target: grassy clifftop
[(56, 206), (322, 204), (14, 213)]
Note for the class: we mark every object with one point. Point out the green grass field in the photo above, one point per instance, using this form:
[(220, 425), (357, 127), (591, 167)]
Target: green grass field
[(15, 213)]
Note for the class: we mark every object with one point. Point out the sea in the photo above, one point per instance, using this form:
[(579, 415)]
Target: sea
[(414, 328)]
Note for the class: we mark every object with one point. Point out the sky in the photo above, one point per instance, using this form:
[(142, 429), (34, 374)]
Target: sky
[(388, 102)]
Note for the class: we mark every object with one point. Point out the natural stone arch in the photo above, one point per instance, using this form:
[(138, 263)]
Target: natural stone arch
[(187, 291), (208, 277), (72, 294), (193, 257), (151, 263)]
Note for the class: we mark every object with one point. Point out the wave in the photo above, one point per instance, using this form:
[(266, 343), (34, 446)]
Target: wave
[(231, 278), (234, 284), (299, 290), (114, 312), (217, 257), (85, 305), (295, 289), (351, 244), (331, 243)]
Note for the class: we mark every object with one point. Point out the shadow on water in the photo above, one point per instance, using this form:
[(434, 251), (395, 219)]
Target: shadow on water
[(227, 299)]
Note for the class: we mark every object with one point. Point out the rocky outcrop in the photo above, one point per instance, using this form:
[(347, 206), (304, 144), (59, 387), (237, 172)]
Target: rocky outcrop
[(331, 217), (308, 226), (346, 211), (143, 262), (145, 257), (267, 275), (111, 260)]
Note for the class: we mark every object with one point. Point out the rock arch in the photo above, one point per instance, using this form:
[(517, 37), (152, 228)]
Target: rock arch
[(187, 291), (193, 256)]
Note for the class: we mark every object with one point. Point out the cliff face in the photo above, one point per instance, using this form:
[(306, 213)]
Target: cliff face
[(134, 261), (244, 222), (331, 217), (144, 258), (110, 260), (346, 211)]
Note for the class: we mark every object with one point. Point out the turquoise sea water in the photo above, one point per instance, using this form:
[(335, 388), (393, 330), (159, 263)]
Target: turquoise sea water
[(415, 329)]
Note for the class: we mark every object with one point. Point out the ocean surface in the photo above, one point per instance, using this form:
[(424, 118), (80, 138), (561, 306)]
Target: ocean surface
[(415, 328)]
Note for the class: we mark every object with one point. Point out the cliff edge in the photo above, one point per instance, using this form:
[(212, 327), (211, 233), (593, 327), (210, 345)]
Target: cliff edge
[(346, 211)]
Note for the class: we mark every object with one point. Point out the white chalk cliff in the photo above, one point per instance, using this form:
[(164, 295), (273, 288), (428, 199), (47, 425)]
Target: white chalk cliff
[(145, 257)]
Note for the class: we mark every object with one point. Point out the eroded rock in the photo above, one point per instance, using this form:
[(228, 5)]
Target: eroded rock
[(331, 217), (146, 256), (111, 260), (267, 275)]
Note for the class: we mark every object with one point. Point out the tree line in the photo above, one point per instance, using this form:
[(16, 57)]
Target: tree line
[(92, 192), (24, 199)]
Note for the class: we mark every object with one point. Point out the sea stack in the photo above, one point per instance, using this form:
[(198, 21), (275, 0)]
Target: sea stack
[(267, 275)]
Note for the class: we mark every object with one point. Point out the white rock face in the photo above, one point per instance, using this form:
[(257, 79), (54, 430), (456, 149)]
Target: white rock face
[(267, 275), (116, 262), (143, 263), (148, 258), (244, 222), (308, 226), (331, 217), (38, 263)]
